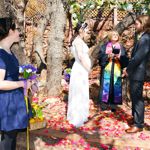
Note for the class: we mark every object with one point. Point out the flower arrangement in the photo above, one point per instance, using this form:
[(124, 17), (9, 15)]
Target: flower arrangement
[(37, 121), (27, 72), (36, 111), (67, 73)]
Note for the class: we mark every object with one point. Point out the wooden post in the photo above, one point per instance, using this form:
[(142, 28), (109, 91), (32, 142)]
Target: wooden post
[(115, 19)]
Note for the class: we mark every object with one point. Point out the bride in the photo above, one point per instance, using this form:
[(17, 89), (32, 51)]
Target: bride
[(78, 102)]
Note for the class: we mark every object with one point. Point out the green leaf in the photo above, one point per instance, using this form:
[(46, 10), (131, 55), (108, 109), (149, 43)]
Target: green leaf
[(99, 2), (33, 112), (25, 74), (39, 113)]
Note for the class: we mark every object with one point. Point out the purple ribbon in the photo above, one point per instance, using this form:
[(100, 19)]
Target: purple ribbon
[(25, 87)]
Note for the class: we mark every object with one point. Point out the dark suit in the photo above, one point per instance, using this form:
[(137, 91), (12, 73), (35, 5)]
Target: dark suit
[(137, 71)]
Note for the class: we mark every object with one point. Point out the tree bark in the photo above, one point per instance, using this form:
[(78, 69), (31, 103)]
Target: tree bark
[(38, 41), (39, 11), (55, 50), (125, 23), (2, 9), (19, 49)]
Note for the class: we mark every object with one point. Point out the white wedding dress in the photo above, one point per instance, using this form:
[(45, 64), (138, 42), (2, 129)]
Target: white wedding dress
[(78, 102)]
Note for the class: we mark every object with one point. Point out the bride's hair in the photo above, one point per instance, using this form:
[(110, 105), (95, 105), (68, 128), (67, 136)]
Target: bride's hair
[(79, 26)]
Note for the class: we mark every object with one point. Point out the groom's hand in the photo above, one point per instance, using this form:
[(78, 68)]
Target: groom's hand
[(125, 74)]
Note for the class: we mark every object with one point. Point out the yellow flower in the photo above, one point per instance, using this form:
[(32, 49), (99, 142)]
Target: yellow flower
[(32, 120)]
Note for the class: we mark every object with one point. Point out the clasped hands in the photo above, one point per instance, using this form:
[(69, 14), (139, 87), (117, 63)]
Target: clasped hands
[(112, 55), (124, 73)]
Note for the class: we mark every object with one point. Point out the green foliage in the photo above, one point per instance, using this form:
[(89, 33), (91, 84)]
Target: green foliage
[(79, 9), (140, 7)]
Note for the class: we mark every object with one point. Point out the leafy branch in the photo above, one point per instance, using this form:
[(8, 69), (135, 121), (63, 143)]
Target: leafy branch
[(79, 9)]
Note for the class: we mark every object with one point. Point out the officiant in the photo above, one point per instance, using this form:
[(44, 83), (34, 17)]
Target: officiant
[(112, 59)]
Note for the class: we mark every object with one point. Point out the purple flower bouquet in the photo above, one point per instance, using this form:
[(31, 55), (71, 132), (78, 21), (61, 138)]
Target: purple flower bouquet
[(27, 72)]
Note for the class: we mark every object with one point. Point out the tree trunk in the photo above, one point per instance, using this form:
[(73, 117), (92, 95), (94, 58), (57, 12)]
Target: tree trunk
[(39, 11), (55, 50), (2, 9), (125, 23), (19, 49), (38, 42)]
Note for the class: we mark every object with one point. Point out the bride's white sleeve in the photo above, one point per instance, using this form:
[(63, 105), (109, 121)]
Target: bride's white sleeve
[(79, 48)]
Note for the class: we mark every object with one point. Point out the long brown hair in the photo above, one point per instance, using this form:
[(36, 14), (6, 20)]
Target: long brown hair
[(145, 21)]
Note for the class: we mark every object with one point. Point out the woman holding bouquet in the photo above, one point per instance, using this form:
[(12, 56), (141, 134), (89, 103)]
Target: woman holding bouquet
[(112, 59), (13, 114), (78, 103)]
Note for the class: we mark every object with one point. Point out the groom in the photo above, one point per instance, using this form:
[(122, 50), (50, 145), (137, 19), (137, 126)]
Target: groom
[(136, 71)]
